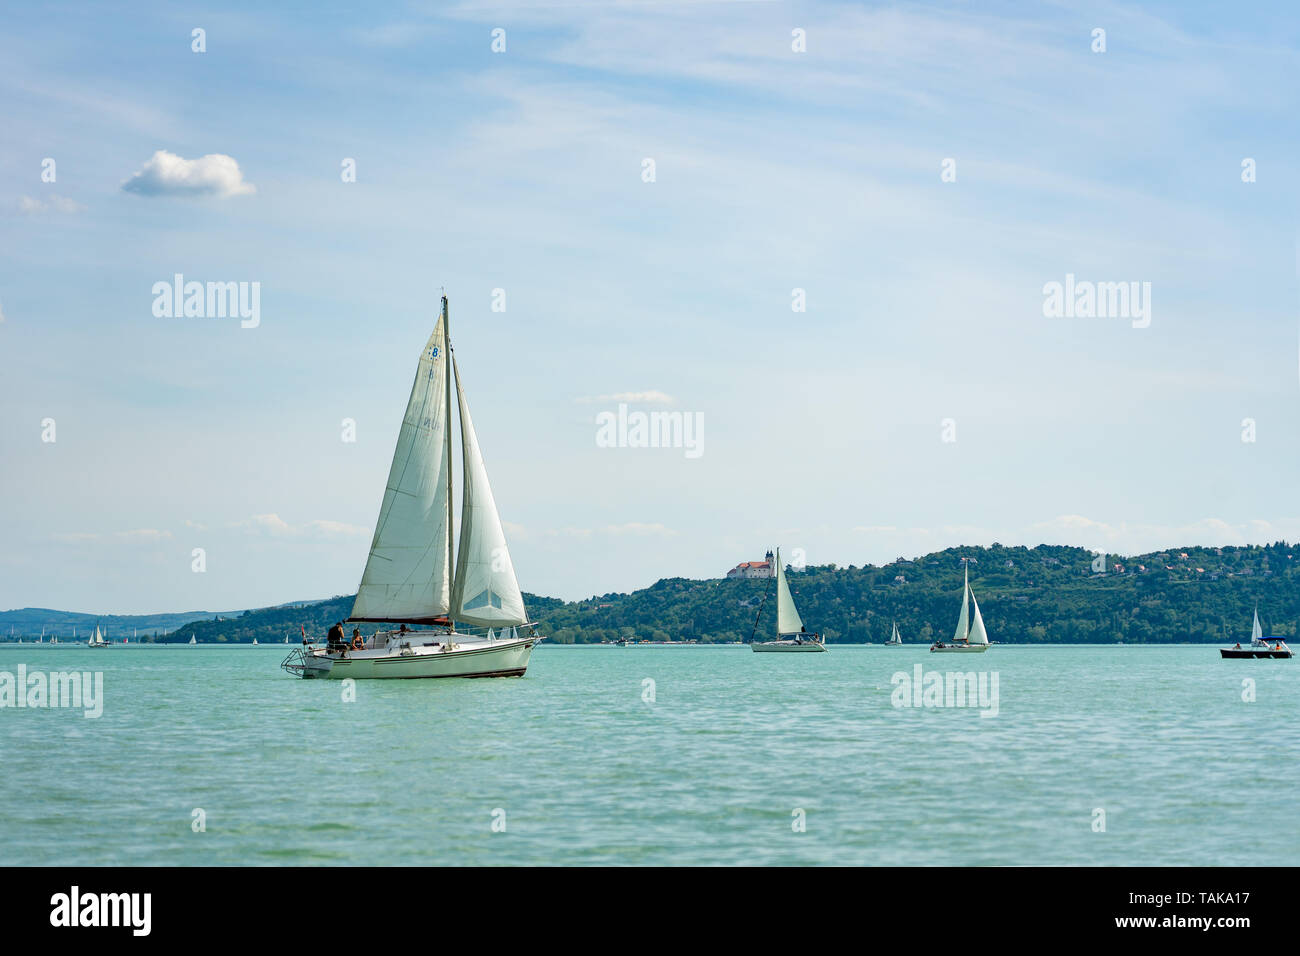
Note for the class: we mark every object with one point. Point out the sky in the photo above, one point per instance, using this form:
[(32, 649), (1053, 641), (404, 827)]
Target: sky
[(647, 184)]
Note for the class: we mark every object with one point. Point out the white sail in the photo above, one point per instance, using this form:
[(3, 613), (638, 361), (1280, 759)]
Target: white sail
[(1256, 632), (193, 641), (963, 622), (977, 633), (787, 617), (485, 591), (894, 638), (96, 639), (407, 574)]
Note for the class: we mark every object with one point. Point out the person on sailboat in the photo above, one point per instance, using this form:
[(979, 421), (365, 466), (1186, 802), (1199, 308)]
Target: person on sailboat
[(357, 642), (334, 640)]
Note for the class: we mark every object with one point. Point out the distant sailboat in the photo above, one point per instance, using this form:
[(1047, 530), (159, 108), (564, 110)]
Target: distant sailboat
[(97, 639), (193, 641), (971, 637), (1274, 647), (894, 639), (411, 576), (790, 633), (254, 642)]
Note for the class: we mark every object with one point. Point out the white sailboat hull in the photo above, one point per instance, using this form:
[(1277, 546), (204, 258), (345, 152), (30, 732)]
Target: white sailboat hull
[(959, 649), (787, 647), (470, 657)]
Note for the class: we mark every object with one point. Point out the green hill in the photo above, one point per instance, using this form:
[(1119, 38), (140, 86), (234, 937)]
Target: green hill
[(1042, 595)]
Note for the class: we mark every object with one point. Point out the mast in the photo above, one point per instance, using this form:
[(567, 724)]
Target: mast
[(451, 564)]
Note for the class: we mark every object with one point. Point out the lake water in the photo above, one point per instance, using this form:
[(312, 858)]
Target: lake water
[(733, 752)]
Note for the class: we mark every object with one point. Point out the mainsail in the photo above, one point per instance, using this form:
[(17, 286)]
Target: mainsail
[(787, 618), (963, 622), (1256, 632), (485, 591), (408, 572)]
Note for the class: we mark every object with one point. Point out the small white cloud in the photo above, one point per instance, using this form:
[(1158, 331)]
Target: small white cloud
[(274, 525), (271, 523), (335, 529), (650, 397), (166, 174), (34, 207), (636, 527), (145, 534)]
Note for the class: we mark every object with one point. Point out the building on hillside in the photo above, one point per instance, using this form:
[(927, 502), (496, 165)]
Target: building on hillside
[(755, 569)]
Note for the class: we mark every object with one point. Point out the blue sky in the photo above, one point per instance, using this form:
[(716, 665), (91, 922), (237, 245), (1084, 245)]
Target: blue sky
[(522, 170)]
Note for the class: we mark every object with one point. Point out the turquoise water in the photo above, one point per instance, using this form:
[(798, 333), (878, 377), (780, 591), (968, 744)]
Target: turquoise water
[(710, 772)]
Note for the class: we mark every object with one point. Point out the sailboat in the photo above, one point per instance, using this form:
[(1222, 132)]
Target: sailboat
[(1272, 648), (254, 642), (193, 641), (971, 637), (471, 598), (894, 639), (97, 639), (790, 633)]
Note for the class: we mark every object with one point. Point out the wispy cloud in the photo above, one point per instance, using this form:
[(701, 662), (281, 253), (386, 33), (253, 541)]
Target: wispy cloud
[(276, 526), (650, 397), (135, 534), (29, 206), (638, 528), (144, 534), (166, 174)]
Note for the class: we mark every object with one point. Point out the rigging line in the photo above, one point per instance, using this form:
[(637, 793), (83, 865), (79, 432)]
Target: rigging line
[(760, 611)]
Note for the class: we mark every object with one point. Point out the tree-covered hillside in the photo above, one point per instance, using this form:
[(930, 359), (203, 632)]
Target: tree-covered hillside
[(1042, 595)]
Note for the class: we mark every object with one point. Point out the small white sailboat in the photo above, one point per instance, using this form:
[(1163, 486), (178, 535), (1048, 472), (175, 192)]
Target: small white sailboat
[(193, 641), (790, 634), (97, 639), (894, 639), (411, 575), (971, 637), (254, 642)]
